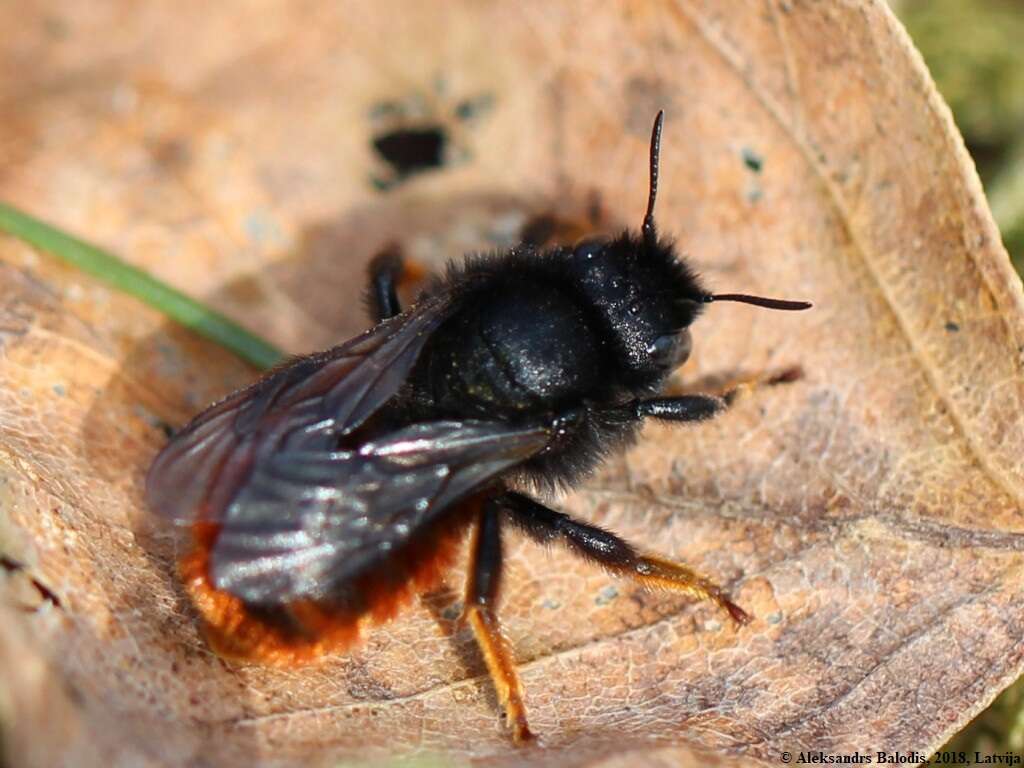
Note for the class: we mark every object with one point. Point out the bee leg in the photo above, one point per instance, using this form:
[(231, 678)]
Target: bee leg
[(385, 272), (681, 408), (389, 271), (604, 548), (482, 587)]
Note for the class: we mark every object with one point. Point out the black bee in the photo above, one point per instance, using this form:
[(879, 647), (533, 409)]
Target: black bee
[(329, 492)]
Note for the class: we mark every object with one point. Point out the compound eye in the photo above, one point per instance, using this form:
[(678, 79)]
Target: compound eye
[(589, 249), (671, 349)]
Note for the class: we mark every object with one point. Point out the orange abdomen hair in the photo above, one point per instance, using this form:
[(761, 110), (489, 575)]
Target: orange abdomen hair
[(300, 632)]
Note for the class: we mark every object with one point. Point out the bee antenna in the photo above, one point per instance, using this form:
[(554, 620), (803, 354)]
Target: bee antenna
[(649, 231), (758, 301)]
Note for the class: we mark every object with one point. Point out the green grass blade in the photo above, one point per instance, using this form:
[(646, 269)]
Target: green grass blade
[(131, 280)]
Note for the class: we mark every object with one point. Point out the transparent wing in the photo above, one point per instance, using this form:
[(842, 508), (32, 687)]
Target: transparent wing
[(307, 522), (304, 405)]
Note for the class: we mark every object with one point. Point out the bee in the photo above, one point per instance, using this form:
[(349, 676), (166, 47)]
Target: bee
[(323, 497)]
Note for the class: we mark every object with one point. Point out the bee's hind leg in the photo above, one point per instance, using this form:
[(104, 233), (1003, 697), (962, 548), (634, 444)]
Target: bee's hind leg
[(616, 555), (482, 588)]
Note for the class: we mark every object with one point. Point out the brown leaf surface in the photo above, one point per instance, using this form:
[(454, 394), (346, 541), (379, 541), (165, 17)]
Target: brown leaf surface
[(869, 515)]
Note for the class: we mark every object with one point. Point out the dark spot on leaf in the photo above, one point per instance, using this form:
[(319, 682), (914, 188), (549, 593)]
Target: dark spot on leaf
[(952, 327), (467, 109), (385, 109), (752, 160)]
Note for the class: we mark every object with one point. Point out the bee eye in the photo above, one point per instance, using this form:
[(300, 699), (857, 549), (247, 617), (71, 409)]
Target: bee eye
[(671, 349), (662, 347), (589, 248)]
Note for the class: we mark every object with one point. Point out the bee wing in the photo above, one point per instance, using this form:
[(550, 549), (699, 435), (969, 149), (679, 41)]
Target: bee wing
[(305, 404), (307, 522)]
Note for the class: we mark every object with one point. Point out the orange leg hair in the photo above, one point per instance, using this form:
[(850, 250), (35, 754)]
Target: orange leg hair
[(483, 585), (608, 550)]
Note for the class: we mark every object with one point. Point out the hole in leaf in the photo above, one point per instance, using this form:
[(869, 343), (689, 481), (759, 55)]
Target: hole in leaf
[(412, 150)]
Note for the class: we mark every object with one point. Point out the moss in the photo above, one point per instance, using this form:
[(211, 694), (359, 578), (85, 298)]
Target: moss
[(974, 51)]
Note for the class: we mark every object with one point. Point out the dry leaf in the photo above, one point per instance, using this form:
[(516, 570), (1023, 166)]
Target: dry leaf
[(869, 515)]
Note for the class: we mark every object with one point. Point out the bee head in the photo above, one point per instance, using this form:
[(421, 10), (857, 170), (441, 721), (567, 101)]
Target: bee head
[(645, 300), (645, 296)]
